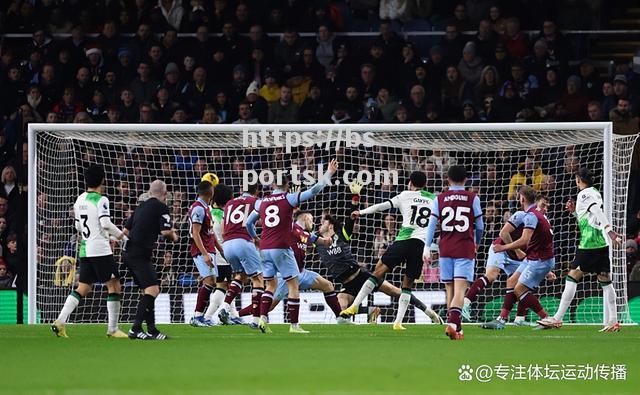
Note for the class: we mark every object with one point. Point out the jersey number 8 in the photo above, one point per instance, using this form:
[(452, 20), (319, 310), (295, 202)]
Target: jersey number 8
[(272, 218)]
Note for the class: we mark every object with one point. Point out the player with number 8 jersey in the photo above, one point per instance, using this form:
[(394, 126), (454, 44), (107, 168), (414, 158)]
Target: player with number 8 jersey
[(276, 215)]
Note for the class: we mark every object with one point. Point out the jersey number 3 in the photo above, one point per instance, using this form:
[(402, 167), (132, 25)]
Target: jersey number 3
[(85, 228), (449, 215)]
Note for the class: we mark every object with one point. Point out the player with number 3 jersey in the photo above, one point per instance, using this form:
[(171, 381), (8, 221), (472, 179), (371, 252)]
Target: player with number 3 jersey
[(276, 215)]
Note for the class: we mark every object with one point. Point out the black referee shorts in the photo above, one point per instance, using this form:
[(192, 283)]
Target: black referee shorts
[(98, 269), (592, 260), (143, 271)]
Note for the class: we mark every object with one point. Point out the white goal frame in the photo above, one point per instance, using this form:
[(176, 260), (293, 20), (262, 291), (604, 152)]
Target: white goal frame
[(606, 128)]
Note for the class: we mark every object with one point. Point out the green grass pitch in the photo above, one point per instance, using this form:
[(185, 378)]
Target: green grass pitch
[(332, 359)]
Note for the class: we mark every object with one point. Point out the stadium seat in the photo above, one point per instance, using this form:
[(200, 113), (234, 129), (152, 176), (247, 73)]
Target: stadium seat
[(589, 311), (634, 309)]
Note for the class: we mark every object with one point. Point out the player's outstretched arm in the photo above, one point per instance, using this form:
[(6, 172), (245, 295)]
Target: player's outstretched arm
[(170, 234), (296, 198)]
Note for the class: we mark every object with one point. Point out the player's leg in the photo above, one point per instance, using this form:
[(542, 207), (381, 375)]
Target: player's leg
[(495, 263), (571, 284), (208, 275), (372, 283), (218, 295), (403, 302), (530, 279), (88, 277), (389, 289), (288, 268), (463, 270), (410, 252), (509, 300), (271, 284), (113, 308), (611, 323), (322, 284)]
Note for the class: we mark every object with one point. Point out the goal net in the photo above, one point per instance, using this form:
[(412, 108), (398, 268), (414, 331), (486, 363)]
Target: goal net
[(498, 157)]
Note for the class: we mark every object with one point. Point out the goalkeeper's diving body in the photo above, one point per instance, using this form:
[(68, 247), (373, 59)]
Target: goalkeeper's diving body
[(343, 266)]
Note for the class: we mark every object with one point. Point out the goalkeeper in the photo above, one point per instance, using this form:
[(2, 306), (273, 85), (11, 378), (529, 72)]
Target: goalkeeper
[(343, 266)]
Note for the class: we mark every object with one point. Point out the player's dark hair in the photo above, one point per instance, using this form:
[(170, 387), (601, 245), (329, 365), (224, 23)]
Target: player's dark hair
[(528, 193), (204, 187), (252, 189), (285, 182), (332, 220), (418, 179), (585, 175), (94, 175), (222, 194), (457, 173)]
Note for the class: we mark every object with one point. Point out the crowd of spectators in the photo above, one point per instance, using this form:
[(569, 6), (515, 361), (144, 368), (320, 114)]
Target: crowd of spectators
[(214, 62)]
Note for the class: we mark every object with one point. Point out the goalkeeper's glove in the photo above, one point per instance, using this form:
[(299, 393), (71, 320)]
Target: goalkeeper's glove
[(295, 189), (355, 187)]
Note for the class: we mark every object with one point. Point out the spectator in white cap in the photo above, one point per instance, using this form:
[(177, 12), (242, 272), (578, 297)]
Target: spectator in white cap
[(259, 106)]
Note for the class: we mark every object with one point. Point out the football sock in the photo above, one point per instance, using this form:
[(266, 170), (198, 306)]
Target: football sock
[(611, 314), (69, 305), (216, 300), (476, 287), (256, 297), (113, 310), (417, 303), (146, 302), (567, 296), (367, 288), (203, 297), (150, 317), (509, 300), (403, 304), (265, 304), (332, 300), (245, 311), (454, 317), (530, 301), (293, 306), (234, 289)]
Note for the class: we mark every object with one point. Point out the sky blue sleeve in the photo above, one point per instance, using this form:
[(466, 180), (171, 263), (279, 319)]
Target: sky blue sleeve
[(435, 211), (251, 221), (530, 221), (479, 222), (197, 215), (295, 199), (516, 218)]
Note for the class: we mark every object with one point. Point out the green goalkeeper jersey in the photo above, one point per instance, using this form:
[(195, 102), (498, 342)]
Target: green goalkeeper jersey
[(591, 230)]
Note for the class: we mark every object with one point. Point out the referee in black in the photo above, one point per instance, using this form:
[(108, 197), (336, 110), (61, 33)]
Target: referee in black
[(148, 220)]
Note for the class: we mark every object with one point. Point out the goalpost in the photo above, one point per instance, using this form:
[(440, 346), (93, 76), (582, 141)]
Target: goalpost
[(544, 155)]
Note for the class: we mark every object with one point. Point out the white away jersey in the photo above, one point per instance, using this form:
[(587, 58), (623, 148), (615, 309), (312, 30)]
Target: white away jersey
[(217, 215), (415, 207), (591, 235), (88, 209)]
